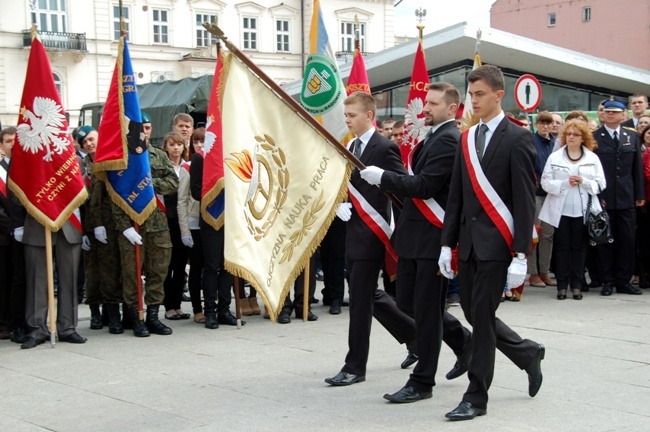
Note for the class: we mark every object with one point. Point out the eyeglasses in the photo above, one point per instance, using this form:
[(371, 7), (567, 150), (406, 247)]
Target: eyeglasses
[(573, 134)]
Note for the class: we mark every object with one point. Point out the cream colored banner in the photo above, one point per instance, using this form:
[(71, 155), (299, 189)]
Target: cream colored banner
[(283, 181)]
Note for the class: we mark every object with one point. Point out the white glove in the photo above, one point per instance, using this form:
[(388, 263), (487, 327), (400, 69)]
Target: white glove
[(372, 175), (444, 262), (343, 212), (132, 236), (85, 243), (187, 241), (100, 234), (517, 272), (18, 234)]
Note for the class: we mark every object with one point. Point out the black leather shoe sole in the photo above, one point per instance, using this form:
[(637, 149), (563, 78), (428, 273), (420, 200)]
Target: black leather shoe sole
[(398, 398)]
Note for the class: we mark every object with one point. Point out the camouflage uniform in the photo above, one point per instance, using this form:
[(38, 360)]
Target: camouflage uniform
[(156, 243), (90, 258)]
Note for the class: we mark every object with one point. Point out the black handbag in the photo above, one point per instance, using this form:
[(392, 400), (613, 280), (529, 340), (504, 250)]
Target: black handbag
[(598, 229)]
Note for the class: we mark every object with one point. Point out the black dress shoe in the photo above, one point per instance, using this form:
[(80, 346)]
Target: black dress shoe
[(407, 394), (284, 318), (594, 284), (344, 379), (465, 411), (335, 308), (534, 371), (186, 298), (313, 300), (461, 365), (19, 335), (227, 318), (310, 316), (628, 288), (345, 304), (31, 342), (74, 338), (412, 356), (607, 289)]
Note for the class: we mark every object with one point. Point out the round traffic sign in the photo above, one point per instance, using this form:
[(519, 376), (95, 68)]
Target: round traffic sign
[(528, 93)]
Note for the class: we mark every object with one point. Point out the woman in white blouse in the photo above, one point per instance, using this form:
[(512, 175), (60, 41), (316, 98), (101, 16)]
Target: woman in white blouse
[(572, 175)]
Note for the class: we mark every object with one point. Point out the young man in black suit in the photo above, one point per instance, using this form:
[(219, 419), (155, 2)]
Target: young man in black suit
[(421, 291), (490, 214), (364, 250)]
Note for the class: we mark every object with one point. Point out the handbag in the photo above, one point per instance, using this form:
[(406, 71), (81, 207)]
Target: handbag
[(598, 229)]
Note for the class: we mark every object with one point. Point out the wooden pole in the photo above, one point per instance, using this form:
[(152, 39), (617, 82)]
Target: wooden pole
[(236, 287), (297, 108), (138, 275), (306, 297), (50, 285)]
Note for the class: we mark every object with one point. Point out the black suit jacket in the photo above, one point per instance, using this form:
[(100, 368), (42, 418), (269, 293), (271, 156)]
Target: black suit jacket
[(623, 168), (360, 242), (509, 165), (415, 236)]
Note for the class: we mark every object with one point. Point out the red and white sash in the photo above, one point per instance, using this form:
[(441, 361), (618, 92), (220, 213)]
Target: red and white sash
[(428, 207), (75, 220), (372, 218), (490, 200), (3, 181)]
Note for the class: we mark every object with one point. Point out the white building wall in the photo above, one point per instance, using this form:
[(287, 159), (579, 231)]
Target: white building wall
[(86, 75)]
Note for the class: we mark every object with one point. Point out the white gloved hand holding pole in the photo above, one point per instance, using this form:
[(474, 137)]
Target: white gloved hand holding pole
[(132, 236), (344, 211), (100, 234), (517, 272)]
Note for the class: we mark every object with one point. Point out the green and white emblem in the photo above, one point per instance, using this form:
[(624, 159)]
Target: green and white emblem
[(322, 88)]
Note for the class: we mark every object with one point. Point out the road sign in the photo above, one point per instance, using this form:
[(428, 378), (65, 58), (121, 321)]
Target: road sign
[(528, 93)]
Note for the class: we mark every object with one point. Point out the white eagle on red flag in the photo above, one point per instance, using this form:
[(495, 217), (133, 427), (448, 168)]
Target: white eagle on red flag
[(46, 128)]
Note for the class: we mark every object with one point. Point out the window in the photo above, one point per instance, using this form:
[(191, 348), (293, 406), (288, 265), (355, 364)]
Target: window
[(551, 19), (282, 36), (203, 37), (586, 14), (250, 33), (160, 26), (347, 36), (49, 15), (58, 83), (116, 22)]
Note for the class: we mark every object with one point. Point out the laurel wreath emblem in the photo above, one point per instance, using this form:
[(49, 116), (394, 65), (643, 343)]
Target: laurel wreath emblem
[(308, 221), (267, 143)]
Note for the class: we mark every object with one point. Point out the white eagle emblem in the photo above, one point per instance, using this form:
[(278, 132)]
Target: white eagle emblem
[(414, 126), (209, 138), (45, 129)]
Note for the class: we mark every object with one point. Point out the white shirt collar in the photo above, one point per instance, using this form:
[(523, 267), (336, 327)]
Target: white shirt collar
[(611, 131)]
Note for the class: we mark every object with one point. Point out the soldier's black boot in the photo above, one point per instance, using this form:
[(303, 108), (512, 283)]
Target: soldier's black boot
[(126, 317), (105, 318), (139, 329), (95, 317), (211, 320), (153, 323), (114, 323)]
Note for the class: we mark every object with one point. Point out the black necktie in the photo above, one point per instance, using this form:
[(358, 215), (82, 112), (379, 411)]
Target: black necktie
[(480, 141), (616, 138), (357, 148)]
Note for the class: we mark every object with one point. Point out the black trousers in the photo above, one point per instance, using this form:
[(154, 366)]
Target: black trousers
[(18, 285), (616, 260), (367, 301), (216, 280), (481, 286), (196, 271), (570, 240), (422, 293), (175, 280), (332, 257)]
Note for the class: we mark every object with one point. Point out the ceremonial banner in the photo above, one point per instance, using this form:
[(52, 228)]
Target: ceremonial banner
[(212, 193), (122, 158), (469, 119), (414, 127), (284, 183), (322, 88), (45, 173), (358, 79)]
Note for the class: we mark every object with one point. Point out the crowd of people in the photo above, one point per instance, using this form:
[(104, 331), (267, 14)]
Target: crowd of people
[(482, 210)]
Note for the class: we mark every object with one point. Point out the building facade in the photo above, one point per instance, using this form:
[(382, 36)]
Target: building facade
[(618, 31), (167, 41)]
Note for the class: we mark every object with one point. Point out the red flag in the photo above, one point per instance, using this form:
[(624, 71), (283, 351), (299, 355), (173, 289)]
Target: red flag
[(414, 127), (45, 173), (212, 193), (358, 79)]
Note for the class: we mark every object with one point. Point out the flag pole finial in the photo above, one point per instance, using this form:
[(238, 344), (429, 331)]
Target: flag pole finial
[(478, 34), (34, 32), (420, 14)]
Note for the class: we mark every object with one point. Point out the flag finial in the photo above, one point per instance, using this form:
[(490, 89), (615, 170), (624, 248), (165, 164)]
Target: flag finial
[(34, 32), (420, 14)]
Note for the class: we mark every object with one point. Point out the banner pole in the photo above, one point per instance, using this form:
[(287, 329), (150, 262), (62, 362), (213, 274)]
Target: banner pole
[(215, 30), (306, 297), (236, 287), (50, 285), (138, 275)]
